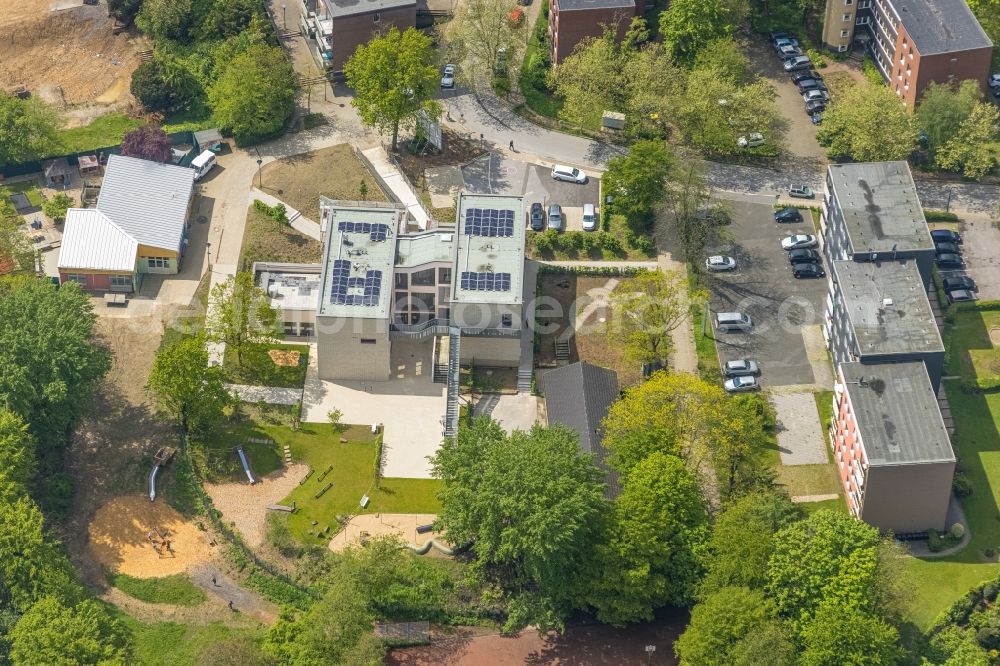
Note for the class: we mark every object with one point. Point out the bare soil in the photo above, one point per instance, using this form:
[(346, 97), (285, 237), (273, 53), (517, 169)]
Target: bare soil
[(403, 525), (68, 57), (284, 357), (246, 506), (457, 149)]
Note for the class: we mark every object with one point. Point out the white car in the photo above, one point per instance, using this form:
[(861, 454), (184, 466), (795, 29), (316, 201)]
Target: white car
[(816, 94), (994, 81), (589, 217), (568, 173), (448, 77), (797, 241), (741, 384), (752, 141), (720, 263)]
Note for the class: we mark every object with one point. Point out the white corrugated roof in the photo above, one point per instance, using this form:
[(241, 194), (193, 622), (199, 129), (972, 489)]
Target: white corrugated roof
[(92, 241), (148, 200)]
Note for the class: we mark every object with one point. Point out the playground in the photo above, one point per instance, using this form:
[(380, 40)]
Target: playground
[(245, 505), (403, 525), (143, 539)]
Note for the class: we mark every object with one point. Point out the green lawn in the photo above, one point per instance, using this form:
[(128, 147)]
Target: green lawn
[(222, 463), (177, 589), (835, 504), (257, 368), (352, 476), (708, 358), (824, 405), (28, 187), (172, 644), (108, 130), (266, 240)]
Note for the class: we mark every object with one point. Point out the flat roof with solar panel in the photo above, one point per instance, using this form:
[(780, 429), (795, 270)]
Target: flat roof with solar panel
[(358, 259), (489, 262)]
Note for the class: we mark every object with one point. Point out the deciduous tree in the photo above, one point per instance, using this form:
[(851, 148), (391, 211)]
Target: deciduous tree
[(869, 124), (124, 10), (645, 310), (28, 129), (166, 19), (148, 142), (840, 634), (186, 387), (240, 314), (590, 79), (255, 94), (719, 622), (973, 148), (52, 633), (770, 643), (56, 206), (687, 26), (638, 180), (942, 109), (17, 450), (483, 40), (394, 78), (163, 84)]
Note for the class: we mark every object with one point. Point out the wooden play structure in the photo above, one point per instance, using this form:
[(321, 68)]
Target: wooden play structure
[(160, 542)]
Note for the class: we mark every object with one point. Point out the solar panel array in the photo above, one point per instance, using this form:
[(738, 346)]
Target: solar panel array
[(341, 282), (377, 232), (489, 222), (485, 281)]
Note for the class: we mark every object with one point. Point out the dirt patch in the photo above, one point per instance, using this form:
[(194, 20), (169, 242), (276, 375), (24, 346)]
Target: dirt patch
[(457, 150), (119, 538), (403, 525), (71, 52), (246, 506), (283, 357), (301, 179)]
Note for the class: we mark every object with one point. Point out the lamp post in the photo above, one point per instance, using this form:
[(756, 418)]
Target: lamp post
[(283, 24), (650, 649), (260, 178)]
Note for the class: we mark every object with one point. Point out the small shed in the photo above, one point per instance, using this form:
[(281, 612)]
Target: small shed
[(210, 139), (58, 172), (613, 120), (89, 166)]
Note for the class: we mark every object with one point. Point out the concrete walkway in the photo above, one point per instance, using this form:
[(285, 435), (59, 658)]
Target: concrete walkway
[(800, 438), (392, 177), (296, 220), (272, 395), (802, 499), (648, 265)]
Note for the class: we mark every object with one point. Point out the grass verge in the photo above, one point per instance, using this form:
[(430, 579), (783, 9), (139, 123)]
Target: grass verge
[(258, 368), (109, 129), (177, 589), (266, 240), (174, 644)]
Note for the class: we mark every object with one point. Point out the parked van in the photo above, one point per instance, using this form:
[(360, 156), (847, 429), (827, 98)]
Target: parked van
[(203, 164), (589, 218), (728, 322), (568, 173)]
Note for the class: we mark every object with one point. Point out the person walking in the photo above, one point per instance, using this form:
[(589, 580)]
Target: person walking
[(213, 582), (512, 145), (231, 605)]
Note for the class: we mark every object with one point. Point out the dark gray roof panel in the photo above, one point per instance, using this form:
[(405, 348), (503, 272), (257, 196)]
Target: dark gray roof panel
[(941, 26)]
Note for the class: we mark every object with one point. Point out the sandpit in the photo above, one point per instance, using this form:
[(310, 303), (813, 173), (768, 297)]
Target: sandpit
[(246, 506), (403, 525), (118, 538), (284, 357)]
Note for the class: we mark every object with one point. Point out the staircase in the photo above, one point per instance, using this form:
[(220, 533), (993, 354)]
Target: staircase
[(524, 380), (562, 350), (454, 382), (440, 373)]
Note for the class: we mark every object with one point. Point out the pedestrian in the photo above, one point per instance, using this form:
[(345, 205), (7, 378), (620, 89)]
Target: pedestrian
[(213, 582), (512, 144), (231, 605)]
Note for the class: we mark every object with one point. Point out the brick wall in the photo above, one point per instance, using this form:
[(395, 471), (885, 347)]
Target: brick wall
[(349, 32), (569, 28)]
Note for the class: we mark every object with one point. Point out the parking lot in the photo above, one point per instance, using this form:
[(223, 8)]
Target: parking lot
[(496, 173), (762, 287)]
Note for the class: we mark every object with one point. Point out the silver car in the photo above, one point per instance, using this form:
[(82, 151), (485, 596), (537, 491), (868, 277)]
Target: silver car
[(555, 217), (741, 384), (797, 241), (720, 263), (743, 367)]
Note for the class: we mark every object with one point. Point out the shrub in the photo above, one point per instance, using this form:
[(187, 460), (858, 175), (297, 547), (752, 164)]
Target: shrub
[(335, 416), (816, 58), (872, 75), (278, 212), (989, 637), (610, 243), (57, 206), (280, 537), (934, 542), (932, 215), (961, 485), (957, 531)]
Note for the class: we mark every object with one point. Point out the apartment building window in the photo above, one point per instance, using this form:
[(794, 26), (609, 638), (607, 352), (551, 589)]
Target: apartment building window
[(842, 47), (863, 20), (368, 341), (444, 276), (79, 279), (158, 262), (847, 17), (843, 33), (848, 2), (119, 282)]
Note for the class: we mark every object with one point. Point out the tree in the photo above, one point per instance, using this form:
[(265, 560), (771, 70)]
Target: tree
[(166, 19), (164, 85), (530, 506), (645, 311), (148, 142), (15, 246), (482, 39), (687, 26), (52, 633), (28, 129), (186, 387), (638, 180), (589, 80), (124, 10), (727, 56), (335, 416), (255, 94), (227, 18), (769, 643), (742, 541), (240, 314), (842, 635), (658, 530), (869, 124), (942, 109), (394, 78), (718, 622), (57, 206), (973, 148), (17, 450), (652, 85), (687, 196)]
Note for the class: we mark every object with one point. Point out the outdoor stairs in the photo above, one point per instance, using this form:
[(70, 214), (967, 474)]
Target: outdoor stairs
[(440, 373), (562, 350), (524, 380), (454, 382)]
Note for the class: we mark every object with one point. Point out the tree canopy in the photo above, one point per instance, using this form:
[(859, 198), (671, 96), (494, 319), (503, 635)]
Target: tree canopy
[(148, 142), (942, 108), (240, 314), (720, 622), (868, 123), (186, 388), (645, 311), (482, 39), (394, 77), (687, 26), (255, 94), (840, 634), (638, 180), (972, 149), (28, 129), (52, 633)]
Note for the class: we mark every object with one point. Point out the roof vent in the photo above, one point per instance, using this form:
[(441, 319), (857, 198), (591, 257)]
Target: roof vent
[(886, 302)]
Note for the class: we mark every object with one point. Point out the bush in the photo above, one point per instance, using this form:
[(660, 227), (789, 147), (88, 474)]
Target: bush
[(57, 206), (989, 637), (957, 531), (278, 212), (872, 75), (961, 485), (816, 58), (501, 85), (610, 243), (280, 537), (934, 542), (932, 215)]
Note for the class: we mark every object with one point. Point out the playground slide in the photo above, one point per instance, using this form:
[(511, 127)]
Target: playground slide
[(152, 482), (426, 547), (246, 465)]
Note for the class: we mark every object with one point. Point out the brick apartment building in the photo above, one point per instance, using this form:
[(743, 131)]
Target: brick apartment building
[(871, 211), (571, 21), (913, 42), (335, 28), (891, 446)]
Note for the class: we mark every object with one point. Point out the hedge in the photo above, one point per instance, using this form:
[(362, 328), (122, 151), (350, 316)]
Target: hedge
[(932, 215)]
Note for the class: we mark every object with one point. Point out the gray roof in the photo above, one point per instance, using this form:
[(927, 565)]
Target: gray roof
[(897, 413), (578, 396), (489, 254), (880, 207), (572, 5), (148, 200), (887, 307), (941, 26), (339, 8), (425, 248), (57, 167)]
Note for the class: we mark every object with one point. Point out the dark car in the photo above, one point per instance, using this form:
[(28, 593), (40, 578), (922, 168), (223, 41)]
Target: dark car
[(963, 282), (949, 261), (802, 76), (537, 217), (946, 248), (960, 296), (815, 106), (807, 271), (788, 215), (946, 236), (803, 256), (779, 34), (805, 85)]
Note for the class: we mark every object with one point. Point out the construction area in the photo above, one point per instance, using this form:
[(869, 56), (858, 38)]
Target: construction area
[(64, 52)]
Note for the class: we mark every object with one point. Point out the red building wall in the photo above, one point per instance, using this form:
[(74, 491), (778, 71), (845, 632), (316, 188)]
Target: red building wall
[(568, 28), (913, 72), (95, 281), (848, 453), (349, 32)]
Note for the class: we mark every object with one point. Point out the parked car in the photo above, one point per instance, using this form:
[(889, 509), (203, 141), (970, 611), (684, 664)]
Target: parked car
[(589, 218), (743, 367), (719, 263), (803, 256), (784, 41), (537, 217), (949, 261), (755, 139), (807, 271), (796, 241), (959, 282), (806, 85), (789, 51), (448, 78), (815, 106), (800, 191), (788, 215), (741, 384), (796, 63), (555, 217), (946, 236), (816, 93), (806, 74), (946, 248), (568, 173), (817, 118), (960, 296), (779, 34), (994, 81)]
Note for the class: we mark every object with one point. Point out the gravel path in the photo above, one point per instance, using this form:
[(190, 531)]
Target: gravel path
[(246, 505), (222, 589)]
